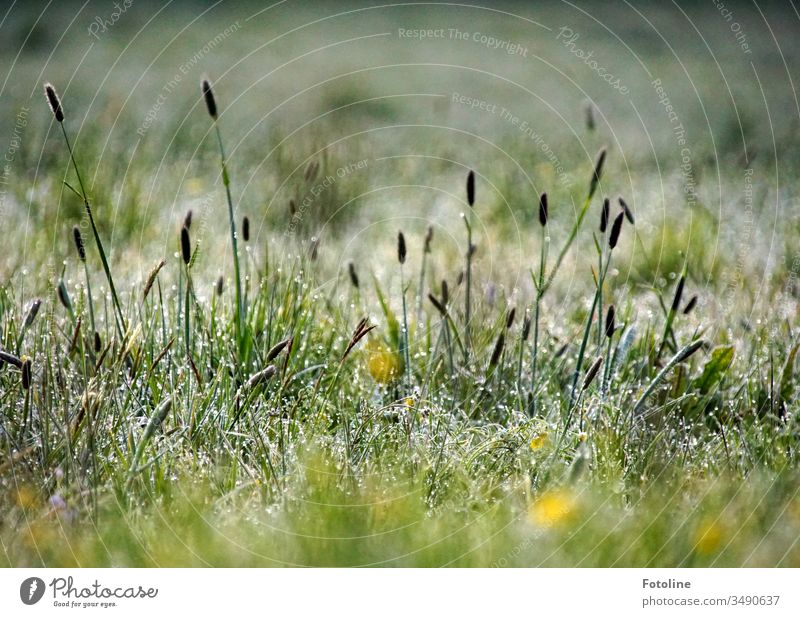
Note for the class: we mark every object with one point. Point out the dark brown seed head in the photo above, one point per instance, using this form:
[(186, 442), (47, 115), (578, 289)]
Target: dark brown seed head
[(510, 317), (26, 373), (526, 328), (428, 239), (616, 228), (187, 221), (498, 349), (98, 343), (351, 269), (604, 212), (471, 188), (445, 293), (401, 247), (610, 321), (460, 278), (219, 286), (186, 246), (690, 305), (54, 101), (592, 372), (626, 209), (246, 229), (10, 359), (32, 312), (314, 248), (292, 208), (690, 350), (543, 213), (676, 299), (208, 95), (79, 246), (590, 125), (278, 348), (598, 172)]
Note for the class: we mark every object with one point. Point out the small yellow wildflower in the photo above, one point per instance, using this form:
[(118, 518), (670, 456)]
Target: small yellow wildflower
[(582, 436), (539, 440), (384, 364), (553, 508), (708, 538)]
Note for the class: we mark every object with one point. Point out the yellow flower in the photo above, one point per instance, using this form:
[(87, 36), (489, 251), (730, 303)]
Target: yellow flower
[(582, 436), (384, 364), (552, 508), (708, 538), (539, 440)]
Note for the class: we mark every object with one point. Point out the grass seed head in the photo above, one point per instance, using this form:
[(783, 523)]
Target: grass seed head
[(151, 278), (598, 171), (186, 246), (26, 373), (543, 212), (626, 209), (219, 286), (526, 328), (610, 321), (428, 239), (401, 247), (445, 293), (676, 299), (616, 228), (32, 312), (351, 269), (690, 305), (187, 221), (592, 372), (79, 245), (54, 101), (246, 228), (510, 317), (498, 349), (314, 253), (604, 213), (278, 348), (208, 95), (471, 188)]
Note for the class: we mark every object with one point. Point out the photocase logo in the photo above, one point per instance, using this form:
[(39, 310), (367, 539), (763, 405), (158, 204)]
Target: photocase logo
[(31, 590)]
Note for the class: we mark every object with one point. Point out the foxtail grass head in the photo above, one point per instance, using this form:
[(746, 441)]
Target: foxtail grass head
[(610, 321), (351, 270), (471, 188), (54, 101), (208, 95), (616, 228), (626, 209), (604, 214), (401, 248), (428, 239), (79, 245), (186, 246), (598, 171), (543, 209)]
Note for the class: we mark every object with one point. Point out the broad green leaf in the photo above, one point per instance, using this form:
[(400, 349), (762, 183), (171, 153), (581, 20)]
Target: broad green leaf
[(715, 368)]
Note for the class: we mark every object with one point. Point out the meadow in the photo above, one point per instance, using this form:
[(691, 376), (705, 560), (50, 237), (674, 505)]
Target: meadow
[(420, 285)]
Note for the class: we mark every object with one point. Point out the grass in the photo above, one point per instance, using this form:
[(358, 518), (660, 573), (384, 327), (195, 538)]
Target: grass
[(277, 401)]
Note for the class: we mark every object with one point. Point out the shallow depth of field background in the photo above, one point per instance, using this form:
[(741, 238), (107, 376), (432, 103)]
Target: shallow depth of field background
[(396, 123)]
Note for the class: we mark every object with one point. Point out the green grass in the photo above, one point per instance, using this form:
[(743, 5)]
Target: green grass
[(189, 439)]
